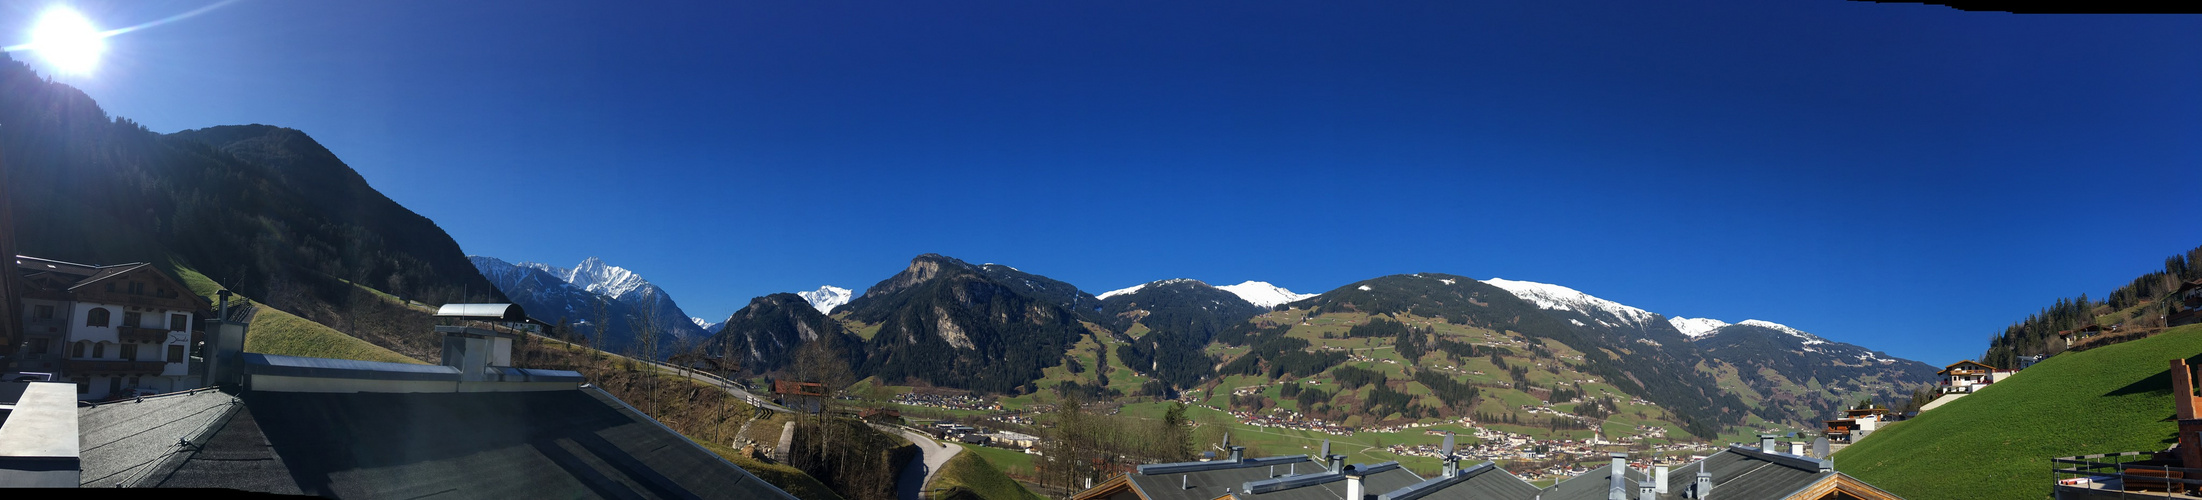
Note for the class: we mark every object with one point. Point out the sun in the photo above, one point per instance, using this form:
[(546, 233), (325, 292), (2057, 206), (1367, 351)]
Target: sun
[(67, 40)]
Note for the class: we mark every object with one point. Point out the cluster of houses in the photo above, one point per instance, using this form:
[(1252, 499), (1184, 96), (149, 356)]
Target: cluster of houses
[(951, 431), (947, 401), (1737, 472), (1279, 418)]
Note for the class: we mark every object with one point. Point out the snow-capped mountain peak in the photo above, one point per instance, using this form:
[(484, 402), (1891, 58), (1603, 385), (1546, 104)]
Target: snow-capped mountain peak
[(596, 277), (1556, 297), (1696, 327), (1261, 293), (825, 298)]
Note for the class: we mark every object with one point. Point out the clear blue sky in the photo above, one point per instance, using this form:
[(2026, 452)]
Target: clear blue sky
[(1908, 178)]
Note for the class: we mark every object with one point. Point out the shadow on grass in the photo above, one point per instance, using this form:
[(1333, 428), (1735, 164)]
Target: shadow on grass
[(2159, 383)]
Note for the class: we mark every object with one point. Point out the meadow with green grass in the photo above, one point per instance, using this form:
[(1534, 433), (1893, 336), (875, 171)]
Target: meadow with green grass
[(276, 332), (972, 476), (1997, 442)]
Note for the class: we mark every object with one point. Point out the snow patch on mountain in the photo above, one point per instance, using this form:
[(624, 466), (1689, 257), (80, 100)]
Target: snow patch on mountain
[(1121, 291), (1261, 293), (1560, 298), (706, 325), (825, 298), (1809, 339), (1696, 327)]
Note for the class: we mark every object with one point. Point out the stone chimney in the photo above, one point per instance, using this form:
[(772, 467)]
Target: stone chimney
[(2184, 404), (1618, 476), (1354, 489)]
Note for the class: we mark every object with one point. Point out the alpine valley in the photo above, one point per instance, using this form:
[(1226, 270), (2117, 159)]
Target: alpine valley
[(1386, 351)]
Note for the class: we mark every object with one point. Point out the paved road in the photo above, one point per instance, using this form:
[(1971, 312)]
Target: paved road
[(933, 455)]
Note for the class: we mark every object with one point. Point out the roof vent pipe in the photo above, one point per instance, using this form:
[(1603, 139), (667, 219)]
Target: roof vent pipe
[(1185, 482), (1766, 443)]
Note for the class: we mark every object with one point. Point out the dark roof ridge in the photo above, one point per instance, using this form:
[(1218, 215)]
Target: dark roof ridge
[(1180, 467), (1806, 464), (1290, 482), (1434, 485)]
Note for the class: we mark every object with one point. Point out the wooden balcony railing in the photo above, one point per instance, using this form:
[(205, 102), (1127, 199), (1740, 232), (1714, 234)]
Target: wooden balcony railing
[(141, 335), (76, 366)]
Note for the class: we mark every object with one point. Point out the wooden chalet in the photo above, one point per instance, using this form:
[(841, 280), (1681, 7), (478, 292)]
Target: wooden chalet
[(1966, 376), (2186, 305), (809, 397), (114, 330)]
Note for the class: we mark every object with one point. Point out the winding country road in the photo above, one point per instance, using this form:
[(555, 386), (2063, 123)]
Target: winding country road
[(911, 484)]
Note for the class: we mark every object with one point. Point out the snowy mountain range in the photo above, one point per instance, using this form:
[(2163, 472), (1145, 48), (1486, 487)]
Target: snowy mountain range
[(1613, 314), (581, 294), (825, 298), (707, 325), (1259, 293)]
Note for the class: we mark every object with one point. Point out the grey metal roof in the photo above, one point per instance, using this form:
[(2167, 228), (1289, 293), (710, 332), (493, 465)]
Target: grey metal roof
[(1595, 484), (545, 444), (1375, 478), (1211, 479), (510, 374), (297, 366), (1739, 472), (1748, 473), (1485, 481)]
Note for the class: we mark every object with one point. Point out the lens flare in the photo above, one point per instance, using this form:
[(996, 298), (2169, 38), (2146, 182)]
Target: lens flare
[(68, 41)]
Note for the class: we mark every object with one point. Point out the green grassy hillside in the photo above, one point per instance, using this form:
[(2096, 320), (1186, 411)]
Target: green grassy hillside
[(276, 332), (789, 479), (2105, 400), (969, 476)]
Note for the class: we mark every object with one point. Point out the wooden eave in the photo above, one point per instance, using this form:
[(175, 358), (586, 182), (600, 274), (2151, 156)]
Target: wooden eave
[(1826, 489), (185, 299), (1954, 366), (1120, 483)]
